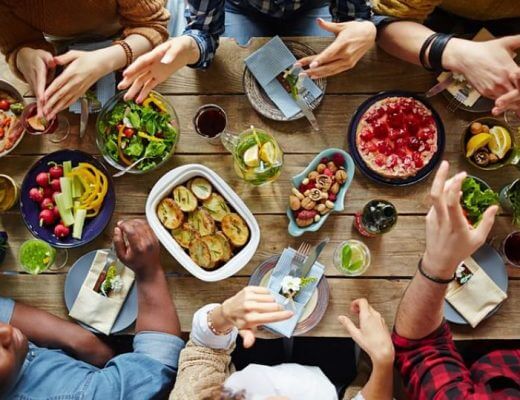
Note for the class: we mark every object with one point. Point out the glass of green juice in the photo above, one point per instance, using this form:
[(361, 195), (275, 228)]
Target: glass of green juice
[(352, 257), (36, 256)]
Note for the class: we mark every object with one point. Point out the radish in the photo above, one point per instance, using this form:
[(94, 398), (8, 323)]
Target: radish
[(47, 192), (42, 179), (55, 185), (55, 171), (36, 194), (61, 231), (56, 212), (46, 217), (47, 203)]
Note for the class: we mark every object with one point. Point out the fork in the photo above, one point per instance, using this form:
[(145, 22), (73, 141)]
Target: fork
[(459, 98), (308, 98), (302, 252)]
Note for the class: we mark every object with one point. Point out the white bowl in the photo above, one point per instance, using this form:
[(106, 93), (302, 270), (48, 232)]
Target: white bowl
[(164, 188)]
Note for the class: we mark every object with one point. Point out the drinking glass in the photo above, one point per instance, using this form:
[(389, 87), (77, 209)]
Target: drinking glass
[(36, 256), (510, 249), (352, 257), (58, 128), (512, 119), (209, 122), (9, 192)]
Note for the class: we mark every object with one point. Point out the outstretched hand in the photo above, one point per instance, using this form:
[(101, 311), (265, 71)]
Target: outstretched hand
[(450, 239), (353, 40), (251, 307)]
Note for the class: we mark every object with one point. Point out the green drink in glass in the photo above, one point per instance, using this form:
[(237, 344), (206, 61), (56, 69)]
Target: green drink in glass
[(352, 257), (37, 256)]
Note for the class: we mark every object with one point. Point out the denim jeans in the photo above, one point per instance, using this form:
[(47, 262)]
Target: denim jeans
[(243, 23)]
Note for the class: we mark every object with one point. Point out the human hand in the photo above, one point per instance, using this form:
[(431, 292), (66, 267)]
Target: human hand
[(353, 39), (488, 66), (82, 70), (156, 66), (37, 67), (372, 335), (137, 246), (450, 239), (251, 307)]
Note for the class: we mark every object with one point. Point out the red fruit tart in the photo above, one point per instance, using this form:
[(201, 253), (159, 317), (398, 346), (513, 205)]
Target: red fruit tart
[(397, 137)]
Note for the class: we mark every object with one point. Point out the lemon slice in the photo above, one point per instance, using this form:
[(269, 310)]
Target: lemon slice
[(268, 153), (477, 142), (251, 156), (500, 142)]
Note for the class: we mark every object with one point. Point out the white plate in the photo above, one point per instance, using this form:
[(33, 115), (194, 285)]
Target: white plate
[(164, 188)]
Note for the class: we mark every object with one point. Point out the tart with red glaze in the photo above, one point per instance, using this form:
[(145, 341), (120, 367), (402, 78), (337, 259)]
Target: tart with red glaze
[(397, 137)]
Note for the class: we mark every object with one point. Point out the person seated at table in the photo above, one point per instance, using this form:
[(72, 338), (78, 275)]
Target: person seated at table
[(488, 66), (206, 371), (137, 26), (67, 361), (243, 19), (426, 355)]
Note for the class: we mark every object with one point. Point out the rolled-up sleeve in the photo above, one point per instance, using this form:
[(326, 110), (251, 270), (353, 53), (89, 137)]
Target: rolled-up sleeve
[(6, 309), (159, 346), (416, 10), (148, 18)]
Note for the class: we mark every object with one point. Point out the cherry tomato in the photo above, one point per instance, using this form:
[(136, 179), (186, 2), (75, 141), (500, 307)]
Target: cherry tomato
[(5, 105), (128, 132)]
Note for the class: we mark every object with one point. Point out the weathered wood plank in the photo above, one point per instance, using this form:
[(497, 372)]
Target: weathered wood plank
[(393, 255), (46, 292)]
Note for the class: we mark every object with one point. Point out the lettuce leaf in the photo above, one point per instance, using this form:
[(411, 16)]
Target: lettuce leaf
[(475, 200)]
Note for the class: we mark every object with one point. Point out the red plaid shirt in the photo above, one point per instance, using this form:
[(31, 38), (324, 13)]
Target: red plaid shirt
[(433, 369)]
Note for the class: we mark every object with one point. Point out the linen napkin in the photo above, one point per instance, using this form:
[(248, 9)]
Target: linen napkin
[(266, 64), (94, 309), (477, 297), (297, 305)]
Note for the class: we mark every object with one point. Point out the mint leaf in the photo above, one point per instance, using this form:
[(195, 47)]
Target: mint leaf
[(346, 256)]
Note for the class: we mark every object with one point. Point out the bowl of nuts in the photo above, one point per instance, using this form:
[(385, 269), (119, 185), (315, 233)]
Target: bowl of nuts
[(319, 190)]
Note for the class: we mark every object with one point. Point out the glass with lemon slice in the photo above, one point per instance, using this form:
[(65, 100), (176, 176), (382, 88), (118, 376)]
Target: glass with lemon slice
[(257, 157), (352, 257)]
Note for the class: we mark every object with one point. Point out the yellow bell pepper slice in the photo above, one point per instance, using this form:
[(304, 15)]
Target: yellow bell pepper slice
[(146, 136)]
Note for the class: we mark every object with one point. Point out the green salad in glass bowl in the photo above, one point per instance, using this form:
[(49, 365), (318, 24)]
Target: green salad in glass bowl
[(127, 132)]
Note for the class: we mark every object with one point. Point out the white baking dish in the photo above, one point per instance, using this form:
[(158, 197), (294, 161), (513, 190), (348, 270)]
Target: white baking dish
[(164, 188)]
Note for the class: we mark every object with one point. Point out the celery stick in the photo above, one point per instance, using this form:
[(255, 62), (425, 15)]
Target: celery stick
[(77, 188), (66, 190), (65, 212), (67, 167), (79, 222)]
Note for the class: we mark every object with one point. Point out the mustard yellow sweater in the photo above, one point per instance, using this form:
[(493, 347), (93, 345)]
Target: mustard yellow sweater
[(24, 22), (481, 10)]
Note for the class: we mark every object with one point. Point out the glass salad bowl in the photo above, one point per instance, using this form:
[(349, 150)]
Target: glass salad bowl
[(128, 132)]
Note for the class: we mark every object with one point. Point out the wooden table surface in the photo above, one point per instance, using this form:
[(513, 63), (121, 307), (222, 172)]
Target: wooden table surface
[(394, 255)]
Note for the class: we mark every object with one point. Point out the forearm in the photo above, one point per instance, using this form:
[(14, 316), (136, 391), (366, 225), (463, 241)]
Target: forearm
[(115, 57), (47, 330), (403, 39), (156, 309), (380, 384)]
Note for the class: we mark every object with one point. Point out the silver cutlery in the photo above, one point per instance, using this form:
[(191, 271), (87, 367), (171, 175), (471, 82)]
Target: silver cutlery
[(131, 166)]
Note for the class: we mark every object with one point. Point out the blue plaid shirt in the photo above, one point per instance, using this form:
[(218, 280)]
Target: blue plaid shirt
[(205, 18)]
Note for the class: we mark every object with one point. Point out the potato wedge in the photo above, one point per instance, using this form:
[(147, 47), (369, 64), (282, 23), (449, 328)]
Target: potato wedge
[(201, 188), (216, 249), (185, 198), (169, 213), (227, 253), (200, 254), (217, 207), (202, 222), (236, 230), (184, 235)]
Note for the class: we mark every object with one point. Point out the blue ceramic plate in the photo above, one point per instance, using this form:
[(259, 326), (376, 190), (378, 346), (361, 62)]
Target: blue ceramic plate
[(425, 171), (491, 262), (75, 278), (339, 204), (30, 210)]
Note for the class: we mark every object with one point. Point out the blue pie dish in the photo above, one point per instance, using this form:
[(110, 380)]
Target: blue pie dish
[(339, 204), (30, 210), (425, 171)]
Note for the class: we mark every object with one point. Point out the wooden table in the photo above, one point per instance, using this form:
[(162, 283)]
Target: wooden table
[(394, 255)]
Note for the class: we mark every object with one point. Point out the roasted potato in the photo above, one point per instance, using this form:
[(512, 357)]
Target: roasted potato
[(200, 254), (169, 213), (217, 207), (226, 247), (202, 222), (216, 249), (201, 188), (185, 198), (236, 230), (184, 235)]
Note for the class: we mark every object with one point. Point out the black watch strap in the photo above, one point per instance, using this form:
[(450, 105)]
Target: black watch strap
[(437, 50), (432, 277)]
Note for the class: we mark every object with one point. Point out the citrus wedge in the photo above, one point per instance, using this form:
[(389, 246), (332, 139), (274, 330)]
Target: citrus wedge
[(477, 142), (500, 142), (251, 156), (268, 153)]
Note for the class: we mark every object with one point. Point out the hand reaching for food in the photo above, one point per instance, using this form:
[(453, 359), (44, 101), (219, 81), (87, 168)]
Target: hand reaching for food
[(251, 307)]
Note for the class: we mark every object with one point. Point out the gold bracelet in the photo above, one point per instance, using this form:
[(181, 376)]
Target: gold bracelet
[(128, 51), (213, 329)]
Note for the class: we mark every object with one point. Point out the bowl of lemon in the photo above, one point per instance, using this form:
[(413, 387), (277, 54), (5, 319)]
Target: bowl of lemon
[(489, 144)]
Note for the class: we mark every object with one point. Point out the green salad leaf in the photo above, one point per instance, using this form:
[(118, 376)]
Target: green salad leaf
[(135, 147), (111, 148), (155, 149), (475, 200)]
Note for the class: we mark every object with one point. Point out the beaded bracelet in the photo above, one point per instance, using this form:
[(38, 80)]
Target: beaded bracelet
[(128, 51), (213, 329), (434, 278)]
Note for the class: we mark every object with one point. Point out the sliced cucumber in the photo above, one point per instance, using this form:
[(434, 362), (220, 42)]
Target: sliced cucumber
[(79, 223), (66, 190), (65, 212)]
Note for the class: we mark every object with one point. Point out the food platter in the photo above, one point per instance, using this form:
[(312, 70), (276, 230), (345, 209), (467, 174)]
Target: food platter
[(12, 136), (421, 173)]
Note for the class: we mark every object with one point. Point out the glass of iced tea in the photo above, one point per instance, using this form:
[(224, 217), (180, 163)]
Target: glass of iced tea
[(511, 248), (210, 121)]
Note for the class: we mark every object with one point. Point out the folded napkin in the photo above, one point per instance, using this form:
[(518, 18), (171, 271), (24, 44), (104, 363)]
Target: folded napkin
[(297, 305), (105, 88), (266, 64), (477, 297), (94, 309)]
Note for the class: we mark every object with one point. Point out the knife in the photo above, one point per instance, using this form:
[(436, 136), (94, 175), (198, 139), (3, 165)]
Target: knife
[(111, 259), (302, 270), (439, 87), (306, 110), (83, 119)]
